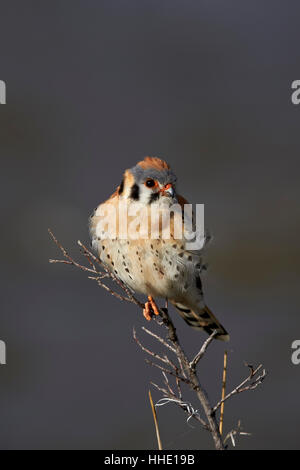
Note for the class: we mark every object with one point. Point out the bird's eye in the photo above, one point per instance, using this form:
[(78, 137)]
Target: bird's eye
[(150, 183)]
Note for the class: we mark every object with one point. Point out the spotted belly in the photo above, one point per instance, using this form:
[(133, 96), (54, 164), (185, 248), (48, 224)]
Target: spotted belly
[(150, 267)]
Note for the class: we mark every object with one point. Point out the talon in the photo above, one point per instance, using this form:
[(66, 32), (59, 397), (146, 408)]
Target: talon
[(147, 312), (153, 305), (150, 308)]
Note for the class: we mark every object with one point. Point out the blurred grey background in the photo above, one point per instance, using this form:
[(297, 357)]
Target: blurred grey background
[(92, 87)]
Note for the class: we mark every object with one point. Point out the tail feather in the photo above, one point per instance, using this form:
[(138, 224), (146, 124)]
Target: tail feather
[(202, 319)]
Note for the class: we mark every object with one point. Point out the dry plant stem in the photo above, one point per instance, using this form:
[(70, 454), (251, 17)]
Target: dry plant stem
[(185, 371), (155, 422), (223, 392)]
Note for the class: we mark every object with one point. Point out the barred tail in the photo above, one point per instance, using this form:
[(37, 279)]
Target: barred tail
[(202, 319)]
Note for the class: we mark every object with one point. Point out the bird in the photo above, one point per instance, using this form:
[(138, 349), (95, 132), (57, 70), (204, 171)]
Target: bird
[(158, 267)]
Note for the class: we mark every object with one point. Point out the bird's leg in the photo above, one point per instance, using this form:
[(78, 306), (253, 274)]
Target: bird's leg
[(150, 308)]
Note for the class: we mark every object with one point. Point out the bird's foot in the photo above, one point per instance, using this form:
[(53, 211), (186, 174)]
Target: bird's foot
[(150, 308)]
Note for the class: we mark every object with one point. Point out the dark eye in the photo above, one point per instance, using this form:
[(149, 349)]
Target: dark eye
[(150, 183)]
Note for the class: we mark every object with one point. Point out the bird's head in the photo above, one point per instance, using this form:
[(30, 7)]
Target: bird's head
[(151, 180)]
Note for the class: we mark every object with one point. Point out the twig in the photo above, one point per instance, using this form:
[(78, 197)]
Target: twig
[(242, 386), (202, 351), (151, 353), (161, 340), (234, 433), (186, 407), (167, 371)]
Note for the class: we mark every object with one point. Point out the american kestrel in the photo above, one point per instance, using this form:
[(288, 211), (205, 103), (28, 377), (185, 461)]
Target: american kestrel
[(156, 267)]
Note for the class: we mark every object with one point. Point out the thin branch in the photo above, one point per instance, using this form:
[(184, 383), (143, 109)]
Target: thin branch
[(186, 407), (93, 260), (242, 387), (161, 340), (148, 351), (168, 371), (202, 351), (237, 431)]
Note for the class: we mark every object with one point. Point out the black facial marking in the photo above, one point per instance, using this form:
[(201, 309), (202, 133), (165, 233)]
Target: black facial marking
[(135, 192), (153, 197), (121, 187)]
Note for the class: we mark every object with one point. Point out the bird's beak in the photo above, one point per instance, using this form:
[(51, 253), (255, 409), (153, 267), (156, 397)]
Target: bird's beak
[(168, 190)]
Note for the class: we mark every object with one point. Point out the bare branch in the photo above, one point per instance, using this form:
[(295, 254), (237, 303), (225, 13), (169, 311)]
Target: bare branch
[(242, 387), (185, 406), (148, 351), (168, 371), (237, 431), (93, 261), (161, 340), (202, 351)]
